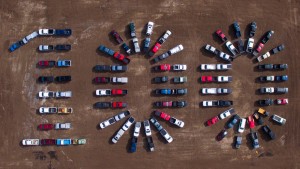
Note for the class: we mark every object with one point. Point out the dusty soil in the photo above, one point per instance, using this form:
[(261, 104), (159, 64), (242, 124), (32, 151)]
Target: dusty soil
[(192, 24)]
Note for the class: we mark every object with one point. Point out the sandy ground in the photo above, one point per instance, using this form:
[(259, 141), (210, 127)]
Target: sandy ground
[(192, 24)]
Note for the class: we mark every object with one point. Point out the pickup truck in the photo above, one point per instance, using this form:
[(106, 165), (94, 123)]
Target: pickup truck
[(79, 141), (119, 80), (164, 37), (63, 32), (181, 79), (176, 49), (150, 143), (65, 110), (46, 48), (219, 103), (16, 46), (30, 37), (30, 142), (63, 63), (118, 92), (106, 50), (224, 78), (63, 94), (263, 57), (63, 142), (103, 92), (224, 66), (60, 126), (237, 29), (48, 110)]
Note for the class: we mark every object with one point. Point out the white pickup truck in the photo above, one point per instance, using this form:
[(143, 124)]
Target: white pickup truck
[(103, 92), (30, 142), (263, 57), (176, 49), (48, 110), (224, 78), (60, 126), (119, 80), (63, 94), (224, 66)]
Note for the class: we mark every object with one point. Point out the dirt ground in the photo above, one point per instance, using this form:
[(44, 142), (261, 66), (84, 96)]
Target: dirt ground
[(192, 24)]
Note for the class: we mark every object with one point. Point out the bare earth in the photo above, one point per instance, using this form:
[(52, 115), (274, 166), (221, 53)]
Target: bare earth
[(192, 24)]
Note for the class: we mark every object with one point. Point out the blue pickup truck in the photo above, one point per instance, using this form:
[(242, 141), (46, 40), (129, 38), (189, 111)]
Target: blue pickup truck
[(63, 63), (106, 50), (63, 32), (15, 46), (63, 142)]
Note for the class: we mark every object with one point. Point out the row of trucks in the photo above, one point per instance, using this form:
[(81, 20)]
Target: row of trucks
[(53, 110), (58, 142)]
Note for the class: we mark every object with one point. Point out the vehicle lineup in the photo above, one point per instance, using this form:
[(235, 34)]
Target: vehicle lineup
[(213, 85)]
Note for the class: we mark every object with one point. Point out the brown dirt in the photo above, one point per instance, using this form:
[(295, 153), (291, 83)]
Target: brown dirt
[(192, 24)]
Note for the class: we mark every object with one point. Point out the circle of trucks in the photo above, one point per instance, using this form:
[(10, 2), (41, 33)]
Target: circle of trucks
[(249, 48), (257, 116)]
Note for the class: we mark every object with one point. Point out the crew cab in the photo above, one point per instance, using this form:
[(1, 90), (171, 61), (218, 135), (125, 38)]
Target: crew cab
[(63, 63), (179, 67), (63, 47), (226, 113), (46, 32), (136, 45), (46, 63), (126, 48), (216, 91), (63, 79), (211, 49), (263, 57), (212, 121), (180, 79), (117, 36), (164, 37), (221, 35), (30, 142), (101, 80), (170, 104), (224, 78), (225, 56), (63, 94), (122, 80), (231, 48), (121, 58), (160, 79), (46, 48), (118, 68), (250, 45), (254, 139), (149, 29), (63, 32), (218, 103), (267, 36), (253, 28), (277, 49), (237, 29), (106, 50), (171, 91), (176, 122), (63, 142), (267, 131), (62, 126), (163, 67), (48, 110)]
